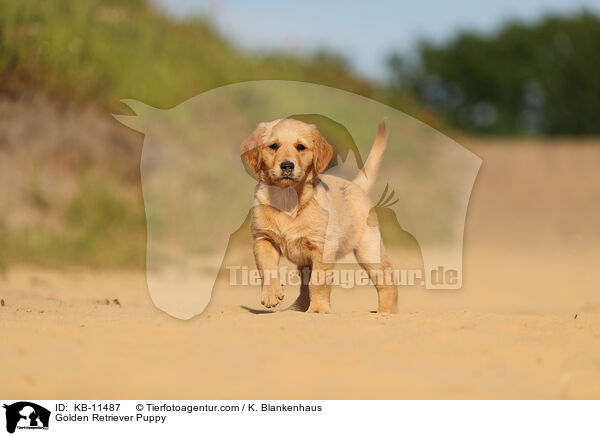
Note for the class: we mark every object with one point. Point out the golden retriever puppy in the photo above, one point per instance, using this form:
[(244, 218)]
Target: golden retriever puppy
[(312, 219)]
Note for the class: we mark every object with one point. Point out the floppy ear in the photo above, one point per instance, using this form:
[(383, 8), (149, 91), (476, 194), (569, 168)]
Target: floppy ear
[(322, 152), (251, 148)]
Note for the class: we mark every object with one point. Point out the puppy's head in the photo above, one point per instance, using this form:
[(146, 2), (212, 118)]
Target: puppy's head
[(286, 152)]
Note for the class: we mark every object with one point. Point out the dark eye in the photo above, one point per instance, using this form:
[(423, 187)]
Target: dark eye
[(300, 147), (273, 146)]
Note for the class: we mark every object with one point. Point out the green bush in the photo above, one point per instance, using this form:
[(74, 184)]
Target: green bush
[(103, 51), (539, 78)]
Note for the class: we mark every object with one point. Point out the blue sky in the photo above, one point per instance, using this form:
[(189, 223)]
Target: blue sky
[(364, 32)]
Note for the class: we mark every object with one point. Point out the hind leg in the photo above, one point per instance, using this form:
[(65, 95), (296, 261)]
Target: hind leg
[(376, 268)]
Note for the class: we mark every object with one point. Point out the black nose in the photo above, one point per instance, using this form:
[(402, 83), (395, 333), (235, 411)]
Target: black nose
[(286, 166)]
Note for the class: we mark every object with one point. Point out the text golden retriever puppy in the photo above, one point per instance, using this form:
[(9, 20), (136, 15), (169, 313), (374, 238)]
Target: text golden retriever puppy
[(309, 218)]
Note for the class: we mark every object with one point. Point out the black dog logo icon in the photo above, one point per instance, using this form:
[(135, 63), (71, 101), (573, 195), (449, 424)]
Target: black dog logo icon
[(24, 414)]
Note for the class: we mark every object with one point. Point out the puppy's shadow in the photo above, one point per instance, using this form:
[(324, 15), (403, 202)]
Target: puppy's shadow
[(257, 311)]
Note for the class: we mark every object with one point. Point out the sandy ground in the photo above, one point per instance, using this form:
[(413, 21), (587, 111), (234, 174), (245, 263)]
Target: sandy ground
[(525, 325)]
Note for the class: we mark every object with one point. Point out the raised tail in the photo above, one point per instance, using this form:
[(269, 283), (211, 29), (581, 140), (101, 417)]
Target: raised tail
[(366, 176)]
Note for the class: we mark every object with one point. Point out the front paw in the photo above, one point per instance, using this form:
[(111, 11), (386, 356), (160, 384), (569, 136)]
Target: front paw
[(271, 296), (319, 308)]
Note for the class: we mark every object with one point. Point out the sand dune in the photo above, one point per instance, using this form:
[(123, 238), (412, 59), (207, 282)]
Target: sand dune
[(525, 325)]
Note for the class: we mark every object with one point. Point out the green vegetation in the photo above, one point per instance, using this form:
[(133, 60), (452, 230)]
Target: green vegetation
[(539, 78), (106, 50), (101, 228)]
